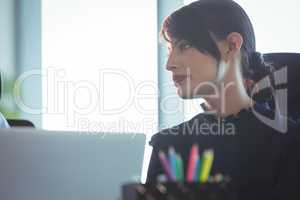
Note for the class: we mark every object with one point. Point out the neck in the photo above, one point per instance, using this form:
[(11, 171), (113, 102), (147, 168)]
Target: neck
[(232, 96)]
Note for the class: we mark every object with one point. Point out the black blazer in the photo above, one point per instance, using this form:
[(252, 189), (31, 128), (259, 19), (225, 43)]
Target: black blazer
[(262, 162)]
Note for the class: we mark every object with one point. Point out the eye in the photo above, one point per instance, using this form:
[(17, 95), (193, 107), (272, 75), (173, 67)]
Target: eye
[(185, 45)]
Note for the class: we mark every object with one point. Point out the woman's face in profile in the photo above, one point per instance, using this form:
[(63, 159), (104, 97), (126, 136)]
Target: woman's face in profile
[(193, 72)]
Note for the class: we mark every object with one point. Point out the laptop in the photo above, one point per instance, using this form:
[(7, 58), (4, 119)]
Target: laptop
[(55, 165)]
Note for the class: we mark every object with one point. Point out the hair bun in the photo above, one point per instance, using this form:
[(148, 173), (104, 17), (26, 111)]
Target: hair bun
[(258, 66), (256, 60)]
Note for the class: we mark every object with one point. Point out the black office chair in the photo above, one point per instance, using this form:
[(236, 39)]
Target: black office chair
[(292, 61), (20, 123)]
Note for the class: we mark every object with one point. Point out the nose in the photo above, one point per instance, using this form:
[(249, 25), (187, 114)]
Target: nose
[(172, 62)]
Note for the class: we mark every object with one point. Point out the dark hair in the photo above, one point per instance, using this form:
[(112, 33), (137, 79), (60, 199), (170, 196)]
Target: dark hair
[(203, 22)]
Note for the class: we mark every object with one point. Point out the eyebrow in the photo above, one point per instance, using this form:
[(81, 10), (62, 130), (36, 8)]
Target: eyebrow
[(175, 42)]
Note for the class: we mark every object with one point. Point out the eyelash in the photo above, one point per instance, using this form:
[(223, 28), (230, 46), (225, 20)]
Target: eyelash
[(184, 46)]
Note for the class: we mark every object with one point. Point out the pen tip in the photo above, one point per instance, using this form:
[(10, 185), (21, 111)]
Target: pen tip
[(171, 150), (161, 154), (209, 152)]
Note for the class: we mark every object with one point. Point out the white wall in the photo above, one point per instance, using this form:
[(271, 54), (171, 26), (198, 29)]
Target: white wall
[(276, 24), (83, 38)]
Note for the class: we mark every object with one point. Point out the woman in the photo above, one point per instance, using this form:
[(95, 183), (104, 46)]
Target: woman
[(212, 55)]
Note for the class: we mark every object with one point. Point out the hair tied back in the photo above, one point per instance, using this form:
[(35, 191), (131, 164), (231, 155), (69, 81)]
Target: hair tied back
[(259, 68)]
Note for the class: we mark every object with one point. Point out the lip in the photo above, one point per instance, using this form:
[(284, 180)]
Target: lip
[(179, 78)]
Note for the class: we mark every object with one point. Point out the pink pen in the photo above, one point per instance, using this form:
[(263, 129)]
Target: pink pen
[(194, 155)]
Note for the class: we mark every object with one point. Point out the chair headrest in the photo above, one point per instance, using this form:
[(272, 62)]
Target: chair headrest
[(279, 60), (292, 62)]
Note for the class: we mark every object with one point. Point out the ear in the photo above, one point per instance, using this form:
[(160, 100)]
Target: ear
[(234, 43)]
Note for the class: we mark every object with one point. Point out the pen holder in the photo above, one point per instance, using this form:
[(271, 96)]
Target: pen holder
[(179, 191)]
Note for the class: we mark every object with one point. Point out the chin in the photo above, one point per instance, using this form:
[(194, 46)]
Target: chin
[(184, 94), (203, 92), (186, 97)]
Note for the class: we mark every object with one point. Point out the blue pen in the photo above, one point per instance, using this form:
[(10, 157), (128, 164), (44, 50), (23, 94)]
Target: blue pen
[(172, 161), (197, 169)]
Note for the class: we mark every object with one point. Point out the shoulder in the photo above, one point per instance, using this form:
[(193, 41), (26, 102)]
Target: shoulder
[(264, 119), (180, 131)]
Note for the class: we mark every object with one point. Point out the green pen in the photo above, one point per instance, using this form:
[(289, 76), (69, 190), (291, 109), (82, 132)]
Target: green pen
[(179, 168)]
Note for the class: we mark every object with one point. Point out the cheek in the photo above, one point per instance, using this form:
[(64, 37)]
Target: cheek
[(204, 69)]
